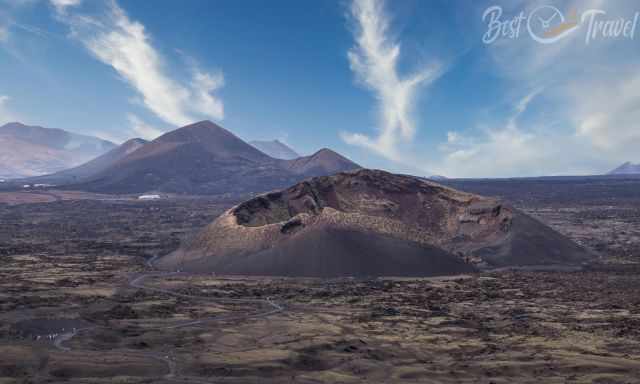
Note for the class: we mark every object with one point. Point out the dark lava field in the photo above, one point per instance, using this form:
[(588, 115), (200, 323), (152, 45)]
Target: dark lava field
[(79, 302)]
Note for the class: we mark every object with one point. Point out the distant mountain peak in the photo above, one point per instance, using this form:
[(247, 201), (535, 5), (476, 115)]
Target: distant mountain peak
[(132, 145), (323, 162), (200, 158), (31, 150), (13, 123), (627, 168), (204, 124), (326, 151), (207, 136), (93, 167), (192, 131), (331, 155)]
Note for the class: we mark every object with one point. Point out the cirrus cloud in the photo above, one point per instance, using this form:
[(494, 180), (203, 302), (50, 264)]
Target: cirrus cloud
[(142, 129), (6, 115), (586, 120), (125, 45), (374, 60), (4, 33), (62, 5)]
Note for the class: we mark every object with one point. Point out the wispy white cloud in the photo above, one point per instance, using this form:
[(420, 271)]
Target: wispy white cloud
[(602, 92), (125, 45), (587, 117), (62, 5), (142, 129), (5, 22), (534, 148), (18, 3), (512, 149), (521, 106), (499, 152), (112, 136), (6, 115), (10, 11), (203, 86), (4, 33), (374, 60), (136, 128), (606, 111)]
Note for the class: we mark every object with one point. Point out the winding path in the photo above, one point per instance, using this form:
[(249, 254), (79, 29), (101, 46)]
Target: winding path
[(138, 283)]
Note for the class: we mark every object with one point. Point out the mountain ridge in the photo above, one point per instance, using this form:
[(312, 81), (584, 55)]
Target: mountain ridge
[(627, 168), (31, 150), (323, 162), (204, 158), (92, 167)]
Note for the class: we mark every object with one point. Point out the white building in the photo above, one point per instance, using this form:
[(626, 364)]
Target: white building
[(148, 197)]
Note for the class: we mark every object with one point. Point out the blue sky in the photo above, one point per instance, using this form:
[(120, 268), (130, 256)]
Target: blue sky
[(405, 85)]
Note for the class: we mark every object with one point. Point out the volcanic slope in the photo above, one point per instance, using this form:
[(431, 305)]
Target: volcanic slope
[(204, 158), (627, 168), (200, 158), (371, 223), (91, 168), (322, 163)]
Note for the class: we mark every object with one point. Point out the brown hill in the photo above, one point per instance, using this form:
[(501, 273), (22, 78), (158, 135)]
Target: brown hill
[(204, 158), (371, 222), (91, 168), (324, 162), (201, 158), (209, 136)]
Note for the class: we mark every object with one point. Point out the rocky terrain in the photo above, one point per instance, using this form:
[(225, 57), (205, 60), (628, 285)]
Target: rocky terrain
[(372, 223), (72, 265)]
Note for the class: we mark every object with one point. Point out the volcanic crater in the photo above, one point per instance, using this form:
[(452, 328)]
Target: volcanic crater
[(371, 223)]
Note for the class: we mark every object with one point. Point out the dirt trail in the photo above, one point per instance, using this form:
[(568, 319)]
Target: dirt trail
[(138, 283)]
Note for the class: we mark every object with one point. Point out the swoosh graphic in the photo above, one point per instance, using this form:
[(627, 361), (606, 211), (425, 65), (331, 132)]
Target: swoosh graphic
[(561, 30)]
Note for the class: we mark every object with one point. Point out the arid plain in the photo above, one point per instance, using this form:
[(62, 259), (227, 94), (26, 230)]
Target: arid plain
[(79, 303)]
